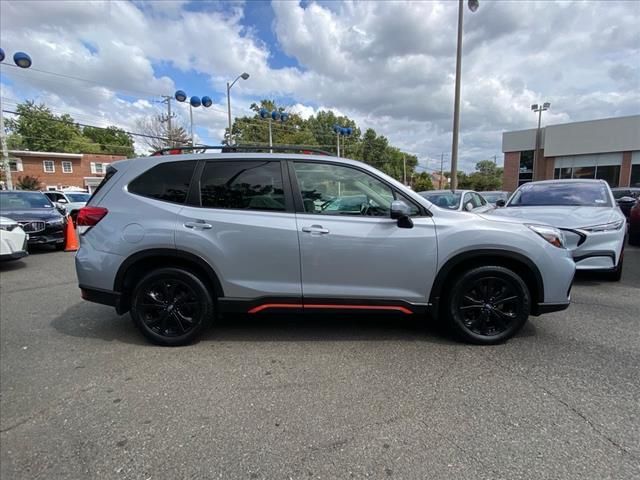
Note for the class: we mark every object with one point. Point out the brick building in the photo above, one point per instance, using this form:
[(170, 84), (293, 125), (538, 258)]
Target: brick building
[(61, 170), (608, 149)]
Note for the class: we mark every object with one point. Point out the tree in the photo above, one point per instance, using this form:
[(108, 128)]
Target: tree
[(159, 136), (28, 182), (422, 181), (111, 140)]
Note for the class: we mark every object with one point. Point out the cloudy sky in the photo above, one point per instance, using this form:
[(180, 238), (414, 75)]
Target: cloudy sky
[(387, 64)]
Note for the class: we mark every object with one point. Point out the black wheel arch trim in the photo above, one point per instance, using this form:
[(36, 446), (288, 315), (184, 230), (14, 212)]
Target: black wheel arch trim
[(132, 260), (457, 260)]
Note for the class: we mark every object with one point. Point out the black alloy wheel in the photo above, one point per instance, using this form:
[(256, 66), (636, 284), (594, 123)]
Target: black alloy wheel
[(171, 306), (489, 305)]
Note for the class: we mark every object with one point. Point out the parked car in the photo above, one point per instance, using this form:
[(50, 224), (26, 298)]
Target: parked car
[(496, 196), (72, 201), (36, 215), (13, 240), (460, 200), (593, 225), (634, 224), (202, 234), (625, 198)]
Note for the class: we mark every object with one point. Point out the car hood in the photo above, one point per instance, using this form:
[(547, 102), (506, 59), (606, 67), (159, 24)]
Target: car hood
[(32, 214), (558, 216)]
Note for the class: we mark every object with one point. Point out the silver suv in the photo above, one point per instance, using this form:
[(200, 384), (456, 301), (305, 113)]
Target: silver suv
[(176, 240)]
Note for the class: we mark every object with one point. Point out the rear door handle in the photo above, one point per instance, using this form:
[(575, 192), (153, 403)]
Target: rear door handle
[(198, 224), (317, 229)]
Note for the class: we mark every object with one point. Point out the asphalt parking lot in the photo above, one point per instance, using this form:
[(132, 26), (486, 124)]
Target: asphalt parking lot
[(84, 396)]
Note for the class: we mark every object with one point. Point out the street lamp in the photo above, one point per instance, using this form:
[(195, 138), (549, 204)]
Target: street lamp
[(271, 116), (341, 132), (22, 60), (473, 6), (243, 76), (538, 109), (194, 102)]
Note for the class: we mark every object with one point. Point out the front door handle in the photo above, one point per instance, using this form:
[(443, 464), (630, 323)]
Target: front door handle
[(198, 224), (317, 229)]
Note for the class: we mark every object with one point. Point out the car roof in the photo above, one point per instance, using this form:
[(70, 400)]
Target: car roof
[(566, 180), (431, 192), (21, 191)]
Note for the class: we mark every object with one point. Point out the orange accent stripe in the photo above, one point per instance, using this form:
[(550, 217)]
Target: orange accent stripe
[(361, 307), (260, 308), (395, 308)]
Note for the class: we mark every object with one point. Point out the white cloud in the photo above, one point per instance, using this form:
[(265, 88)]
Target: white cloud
[(389, 65)]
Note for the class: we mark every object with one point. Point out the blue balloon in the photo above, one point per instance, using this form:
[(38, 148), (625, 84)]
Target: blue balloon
[(343, 131), (206, 101), (195, 101), (22, 60), (284, 117), (336, 128), (275, 115), (264, 113), (180, 95), (1, 55), (349, 130)]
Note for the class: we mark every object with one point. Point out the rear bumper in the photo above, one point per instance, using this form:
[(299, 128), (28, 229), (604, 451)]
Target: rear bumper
[(103, 297)]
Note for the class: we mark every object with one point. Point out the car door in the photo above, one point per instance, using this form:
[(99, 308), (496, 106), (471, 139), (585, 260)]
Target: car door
[(362, 255), (240, 219)]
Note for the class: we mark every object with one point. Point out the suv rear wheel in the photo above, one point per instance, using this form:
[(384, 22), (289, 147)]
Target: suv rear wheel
[(171, 306), (488, 305)]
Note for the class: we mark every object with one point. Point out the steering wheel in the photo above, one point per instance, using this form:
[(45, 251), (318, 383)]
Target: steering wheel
[(364, 209)]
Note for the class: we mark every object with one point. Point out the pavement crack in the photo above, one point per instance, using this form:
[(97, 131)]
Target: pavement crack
[(571, 408)]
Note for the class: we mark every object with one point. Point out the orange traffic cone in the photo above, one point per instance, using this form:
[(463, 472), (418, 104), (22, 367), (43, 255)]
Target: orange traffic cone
[(72, 239)]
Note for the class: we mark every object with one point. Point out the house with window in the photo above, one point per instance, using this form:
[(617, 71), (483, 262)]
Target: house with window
[(608, 149), (61, 170)]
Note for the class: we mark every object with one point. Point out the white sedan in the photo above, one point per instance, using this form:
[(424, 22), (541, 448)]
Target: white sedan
[(585, 210), (13, 240)]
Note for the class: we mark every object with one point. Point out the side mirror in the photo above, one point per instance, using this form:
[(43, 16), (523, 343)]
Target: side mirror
[(61, 209), (501, 203), (400, 211), (62, 200), (468, 206)]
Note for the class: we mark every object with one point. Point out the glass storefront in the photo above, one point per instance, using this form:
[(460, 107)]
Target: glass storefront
[(635, 176), (526, 167), (604, 166)]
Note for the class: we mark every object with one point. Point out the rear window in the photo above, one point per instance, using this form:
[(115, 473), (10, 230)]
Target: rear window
[(168, 182), (242, 185), (111, 171)]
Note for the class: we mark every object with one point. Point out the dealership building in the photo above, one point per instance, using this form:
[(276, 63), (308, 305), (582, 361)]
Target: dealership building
[(607, 149)]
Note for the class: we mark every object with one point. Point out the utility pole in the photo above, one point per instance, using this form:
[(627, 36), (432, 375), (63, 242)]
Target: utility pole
[(338, 143), (167, 118), (404, 169), (441, 170), (5, 155)]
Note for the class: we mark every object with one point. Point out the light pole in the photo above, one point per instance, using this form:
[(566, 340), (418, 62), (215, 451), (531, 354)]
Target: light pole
[(538, 109), (243, 76), (194, 102), (22, 60), (273, 115), (341, 131), (473, 6)]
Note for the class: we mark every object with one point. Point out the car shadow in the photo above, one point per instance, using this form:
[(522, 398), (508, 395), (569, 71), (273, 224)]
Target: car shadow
[(10, 265), (88, 320)]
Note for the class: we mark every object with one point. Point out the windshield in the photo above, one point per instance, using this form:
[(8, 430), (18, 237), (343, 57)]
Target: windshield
[(561, 194), (23, 201), (78, 197), (494, 197), (449, 200)]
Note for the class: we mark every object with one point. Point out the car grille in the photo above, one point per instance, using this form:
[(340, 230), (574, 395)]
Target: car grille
[(33, 226)]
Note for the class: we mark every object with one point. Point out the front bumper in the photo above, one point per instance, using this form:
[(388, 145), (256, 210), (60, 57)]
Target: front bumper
[(49, 236), (597, 250), (13, 244)]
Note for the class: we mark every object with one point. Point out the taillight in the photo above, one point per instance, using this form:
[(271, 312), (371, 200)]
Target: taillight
[(89, 217)]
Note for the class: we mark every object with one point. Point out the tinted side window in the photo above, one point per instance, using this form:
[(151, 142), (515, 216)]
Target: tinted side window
[(478, 200), (166, 181), (242, 185)]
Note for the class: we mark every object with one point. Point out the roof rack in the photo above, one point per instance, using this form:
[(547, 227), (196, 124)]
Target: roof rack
[(240, 148)]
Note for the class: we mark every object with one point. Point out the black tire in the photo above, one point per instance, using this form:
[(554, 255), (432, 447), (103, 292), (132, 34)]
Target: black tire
[(171, 306), (476, 314)]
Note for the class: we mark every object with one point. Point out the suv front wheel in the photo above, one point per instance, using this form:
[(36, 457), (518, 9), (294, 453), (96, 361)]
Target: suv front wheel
[(171, 306), (488, 305)]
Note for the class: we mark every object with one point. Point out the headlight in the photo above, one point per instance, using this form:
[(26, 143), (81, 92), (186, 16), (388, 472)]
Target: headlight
[(552, 235), (55, 221), (605, 227), (8, 226)]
